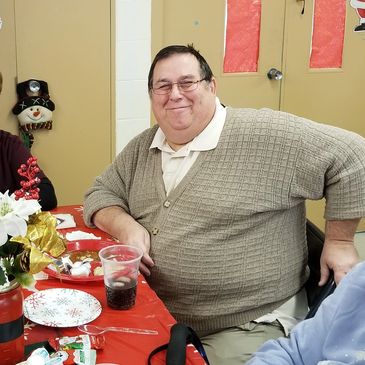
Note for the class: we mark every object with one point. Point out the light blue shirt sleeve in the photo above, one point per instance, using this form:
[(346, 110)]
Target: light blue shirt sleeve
[(336, 335)]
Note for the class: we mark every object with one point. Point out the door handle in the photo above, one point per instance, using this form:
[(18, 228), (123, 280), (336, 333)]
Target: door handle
[(302, 12), (274, 74)]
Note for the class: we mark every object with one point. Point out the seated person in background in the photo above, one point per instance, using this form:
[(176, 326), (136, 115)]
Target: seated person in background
[(215, 196), (335, 335), (13, 153)]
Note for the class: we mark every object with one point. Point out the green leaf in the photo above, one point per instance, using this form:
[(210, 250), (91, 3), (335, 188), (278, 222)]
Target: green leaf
[(2, 276), (26, 280)]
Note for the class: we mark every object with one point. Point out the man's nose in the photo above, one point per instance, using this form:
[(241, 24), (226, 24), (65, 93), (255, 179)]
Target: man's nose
[(175, 91)]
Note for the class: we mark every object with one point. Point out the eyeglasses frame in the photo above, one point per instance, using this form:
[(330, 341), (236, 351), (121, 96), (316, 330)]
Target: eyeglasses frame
[(177, 84)]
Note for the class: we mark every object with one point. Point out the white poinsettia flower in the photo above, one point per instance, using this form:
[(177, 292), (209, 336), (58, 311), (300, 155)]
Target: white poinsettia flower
[(14, 215)]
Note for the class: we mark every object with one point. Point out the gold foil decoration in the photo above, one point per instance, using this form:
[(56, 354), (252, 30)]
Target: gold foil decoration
[(42, 241)]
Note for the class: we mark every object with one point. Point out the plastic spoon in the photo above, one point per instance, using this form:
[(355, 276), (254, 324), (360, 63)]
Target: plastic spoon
[(91, 329)]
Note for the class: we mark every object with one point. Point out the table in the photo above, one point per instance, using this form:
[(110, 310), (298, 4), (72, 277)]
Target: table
[(121, 348)]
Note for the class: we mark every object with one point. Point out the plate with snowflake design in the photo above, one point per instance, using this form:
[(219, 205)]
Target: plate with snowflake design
[(61, 307)]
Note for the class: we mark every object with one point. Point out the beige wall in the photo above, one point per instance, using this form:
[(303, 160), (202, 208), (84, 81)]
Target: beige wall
[(7, 65), (70, 48)]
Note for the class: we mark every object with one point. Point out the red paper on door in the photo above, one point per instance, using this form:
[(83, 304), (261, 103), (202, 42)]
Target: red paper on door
[(328, 33), (242, 40)]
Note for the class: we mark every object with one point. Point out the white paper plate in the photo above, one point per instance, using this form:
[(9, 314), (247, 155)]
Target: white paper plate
[(61, 307)]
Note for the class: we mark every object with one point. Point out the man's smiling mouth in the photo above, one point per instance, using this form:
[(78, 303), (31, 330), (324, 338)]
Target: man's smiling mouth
[(179, 107)]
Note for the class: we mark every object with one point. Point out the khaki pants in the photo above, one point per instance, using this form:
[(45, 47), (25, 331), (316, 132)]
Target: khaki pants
[(235, 345)]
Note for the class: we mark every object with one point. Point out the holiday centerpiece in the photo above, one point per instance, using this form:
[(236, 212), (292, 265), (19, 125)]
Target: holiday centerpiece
[(28, 237), (29, 242)]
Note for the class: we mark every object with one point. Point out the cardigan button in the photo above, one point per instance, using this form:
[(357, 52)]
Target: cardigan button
[(166, 204), (155, 230)]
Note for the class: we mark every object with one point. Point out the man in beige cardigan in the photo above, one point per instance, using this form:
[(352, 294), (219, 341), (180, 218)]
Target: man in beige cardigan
[(215, 197)]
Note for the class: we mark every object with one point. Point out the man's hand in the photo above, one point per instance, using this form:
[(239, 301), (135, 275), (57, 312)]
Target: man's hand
[(338, 256), (115, 221), (136, 235), (339, 253)]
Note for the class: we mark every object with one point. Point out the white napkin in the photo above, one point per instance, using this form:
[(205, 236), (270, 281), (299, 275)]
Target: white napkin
[(40, 276), (80, 235), (65, 221)]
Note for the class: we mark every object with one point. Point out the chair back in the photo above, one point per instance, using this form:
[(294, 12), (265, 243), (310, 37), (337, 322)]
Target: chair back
[(316, 294)]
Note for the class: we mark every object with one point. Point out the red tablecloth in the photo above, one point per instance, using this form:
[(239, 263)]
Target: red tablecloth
[(121, 348)]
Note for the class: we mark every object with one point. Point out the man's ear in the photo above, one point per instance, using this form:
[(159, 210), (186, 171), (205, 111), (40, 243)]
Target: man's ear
[(213, 86)]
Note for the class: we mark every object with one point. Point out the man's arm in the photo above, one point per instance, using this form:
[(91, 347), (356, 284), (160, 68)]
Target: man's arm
[(339, 253), (115, 221)]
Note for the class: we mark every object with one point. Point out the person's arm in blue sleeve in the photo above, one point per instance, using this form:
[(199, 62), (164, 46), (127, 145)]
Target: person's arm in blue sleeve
[(322, 337)]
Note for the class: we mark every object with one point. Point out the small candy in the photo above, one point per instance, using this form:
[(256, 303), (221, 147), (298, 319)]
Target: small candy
[(39, 356), (78, 349), (36, 360), (77, 342), (55, 361)]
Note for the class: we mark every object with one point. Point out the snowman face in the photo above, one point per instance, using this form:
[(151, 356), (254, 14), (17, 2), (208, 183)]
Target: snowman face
[(34, 114)]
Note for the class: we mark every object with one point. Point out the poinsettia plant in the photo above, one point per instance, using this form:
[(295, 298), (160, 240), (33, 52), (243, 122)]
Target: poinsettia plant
[(29, 241)]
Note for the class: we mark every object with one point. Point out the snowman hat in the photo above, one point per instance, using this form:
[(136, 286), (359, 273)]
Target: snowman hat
[(33, 101), (32, 93)]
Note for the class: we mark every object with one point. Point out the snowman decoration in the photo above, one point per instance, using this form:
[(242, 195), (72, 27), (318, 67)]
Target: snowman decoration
[(359, 5), (33, 109)]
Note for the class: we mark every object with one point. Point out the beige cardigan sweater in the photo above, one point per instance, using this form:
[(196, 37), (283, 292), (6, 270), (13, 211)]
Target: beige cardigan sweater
[(229, 242)]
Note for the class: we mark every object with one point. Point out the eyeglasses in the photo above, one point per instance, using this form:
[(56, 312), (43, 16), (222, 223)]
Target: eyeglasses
[(183, 86)]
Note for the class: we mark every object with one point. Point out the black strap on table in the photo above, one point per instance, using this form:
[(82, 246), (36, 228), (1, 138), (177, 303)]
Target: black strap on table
[(180, 336)]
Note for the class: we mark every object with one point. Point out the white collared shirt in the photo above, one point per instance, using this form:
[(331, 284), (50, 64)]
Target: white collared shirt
[(175, 164)]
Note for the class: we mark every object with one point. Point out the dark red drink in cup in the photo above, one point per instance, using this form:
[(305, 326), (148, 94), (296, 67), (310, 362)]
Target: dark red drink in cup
[(121, 297), (120, 266)]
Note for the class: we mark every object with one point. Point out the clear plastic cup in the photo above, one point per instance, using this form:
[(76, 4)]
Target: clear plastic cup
[(120, 267)]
